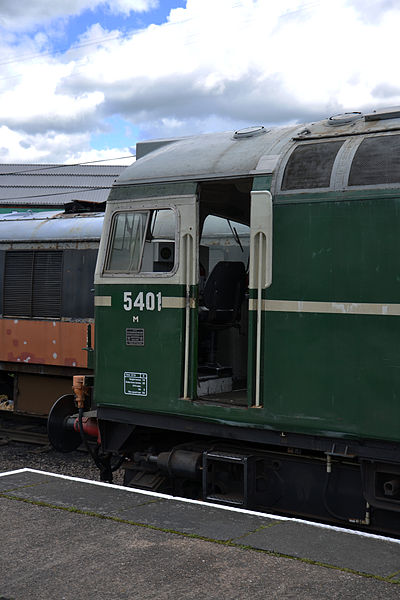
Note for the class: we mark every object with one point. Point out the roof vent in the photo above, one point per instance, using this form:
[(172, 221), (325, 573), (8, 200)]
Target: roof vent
[(249, 132), (344, 119), (392, 112)]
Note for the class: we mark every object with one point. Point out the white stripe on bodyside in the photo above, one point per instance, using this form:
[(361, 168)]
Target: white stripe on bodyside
[(167, 301), (345, 308), (102, 300), (177, 302), (171, 302)]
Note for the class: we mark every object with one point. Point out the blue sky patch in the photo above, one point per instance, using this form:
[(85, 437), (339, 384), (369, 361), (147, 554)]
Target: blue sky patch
[(76, 26), (120, 133)]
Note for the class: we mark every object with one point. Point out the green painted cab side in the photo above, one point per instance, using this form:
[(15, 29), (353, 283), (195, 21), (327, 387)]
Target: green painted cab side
[(333, 373), (160, 358), (329, 374), (344, 251)]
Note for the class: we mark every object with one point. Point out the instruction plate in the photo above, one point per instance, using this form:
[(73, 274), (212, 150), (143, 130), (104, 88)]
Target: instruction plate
[(134, 336), (135, 384)]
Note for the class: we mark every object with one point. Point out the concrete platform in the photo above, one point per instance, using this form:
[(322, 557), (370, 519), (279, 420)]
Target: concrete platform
[(63, 538)]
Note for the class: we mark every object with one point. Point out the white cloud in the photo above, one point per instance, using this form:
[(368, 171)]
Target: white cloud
[(251, 54), (128, 6), (33, 103), (107, 156), (373, 10), (213, 65), (17, 147)]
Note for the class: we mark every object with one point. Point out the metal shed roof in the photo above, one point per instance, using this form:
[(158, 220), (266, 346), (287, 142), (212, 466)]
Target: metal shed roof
[(51, 185)]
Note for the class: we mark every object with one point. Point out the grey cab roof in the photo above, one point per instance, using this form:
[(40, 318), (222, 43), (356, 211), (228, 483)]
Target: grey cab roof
[(249, 152), (226, 154)]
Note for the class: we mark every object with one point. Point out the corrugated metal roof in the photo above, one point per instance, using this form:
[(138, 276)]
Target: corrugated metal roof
[(54, 185), (52, 181), (44, 196), (54, 169)]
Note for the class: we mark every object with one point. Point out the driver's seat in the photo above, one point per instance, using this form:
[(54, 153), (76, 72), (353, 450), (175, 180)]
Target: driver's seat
[(223, 295)]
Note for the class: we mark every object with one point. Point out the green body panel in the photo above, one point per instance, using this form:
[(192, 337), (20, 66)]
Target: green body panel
[(337, 251), (160, 358), (329, 374), (152, 190), (261, 183), (335, 372)]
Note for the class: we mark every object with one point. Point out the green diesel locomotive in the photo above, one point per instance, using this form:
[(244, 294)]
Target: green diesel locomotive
[(259, 369)]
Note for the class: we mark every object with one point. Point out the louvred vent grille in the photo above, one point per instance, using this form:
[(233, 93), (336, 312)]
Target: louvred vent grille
[(32, 283)]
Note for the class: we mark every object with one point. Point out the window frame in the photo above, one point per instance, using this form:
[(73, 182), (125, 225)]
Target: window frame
[(378, 185), (106, 273), (290, 154)]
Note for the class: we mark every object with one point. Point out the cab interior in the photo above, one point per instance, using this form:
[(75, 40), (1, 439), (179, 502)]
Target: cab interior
[(223, 292)]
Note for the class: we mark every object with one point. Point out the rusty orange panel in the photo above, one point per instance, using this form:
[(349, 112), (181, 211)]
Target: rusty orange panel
[(43, 342)]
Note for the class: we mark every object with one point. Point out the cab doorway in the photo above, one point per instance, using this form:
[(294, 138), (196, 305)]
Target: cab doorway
[(223, 308)]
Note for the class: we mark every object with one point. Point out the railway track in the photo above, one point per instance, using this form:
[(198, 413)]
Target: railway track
[(22, 429)]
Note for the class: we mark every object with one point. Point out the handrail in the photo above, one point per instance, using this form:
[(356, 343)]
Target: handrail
[(188, 247), (260, 244)]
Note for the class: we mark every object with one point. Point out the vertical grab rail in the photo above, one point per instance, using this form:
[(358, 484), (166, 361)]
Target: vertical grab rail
[(260, 243), (188, 254), (260, 275)]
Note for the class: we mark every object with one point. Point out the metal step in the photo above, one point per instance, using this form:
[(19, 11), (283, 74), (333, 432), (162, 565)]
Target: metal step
[(228, 478)]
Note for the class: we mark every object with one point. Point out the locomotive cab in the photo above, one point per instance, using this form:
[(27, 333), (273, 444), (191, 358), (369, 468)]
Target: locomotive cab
[(175, 270)]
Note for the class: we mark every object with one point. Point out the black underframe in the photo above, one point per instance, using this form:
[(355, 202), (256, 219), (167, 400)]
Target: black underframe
[(366, 449)]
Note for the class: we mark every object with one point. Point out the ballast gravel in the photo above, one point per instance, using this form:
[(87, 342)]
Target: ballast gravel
[(18, 455)]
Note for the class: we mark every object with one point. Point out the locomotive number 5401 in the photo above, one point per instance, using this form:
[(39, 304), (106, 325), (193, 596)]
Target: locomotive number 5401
[(148, 301)]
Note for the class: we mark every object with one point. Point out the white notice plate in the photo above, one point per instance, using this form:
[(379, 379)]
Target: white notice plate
[(135, 384)]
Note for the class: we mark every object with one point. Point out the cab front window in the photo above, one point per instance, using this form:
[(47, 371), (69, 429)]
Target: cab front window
[(142, 242), (127, 238)]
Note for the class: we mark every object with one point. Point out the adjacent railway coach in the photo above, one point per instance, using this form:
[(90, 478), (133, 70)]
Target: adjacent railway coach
[(47, 262), (269, 378)]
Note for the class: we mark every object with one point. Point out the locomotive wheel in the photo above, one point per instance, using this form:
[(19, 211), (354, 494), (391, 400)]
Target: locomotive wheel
[(62, 436)]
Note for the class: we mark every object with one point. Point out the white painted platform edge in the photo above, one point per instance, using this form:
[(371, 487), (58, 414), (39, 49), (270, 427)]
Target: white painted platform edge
[(206, 504)]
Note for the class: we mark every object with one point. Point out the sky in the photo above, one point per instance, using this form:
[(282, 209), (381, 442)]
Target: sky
[(84, 80)]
